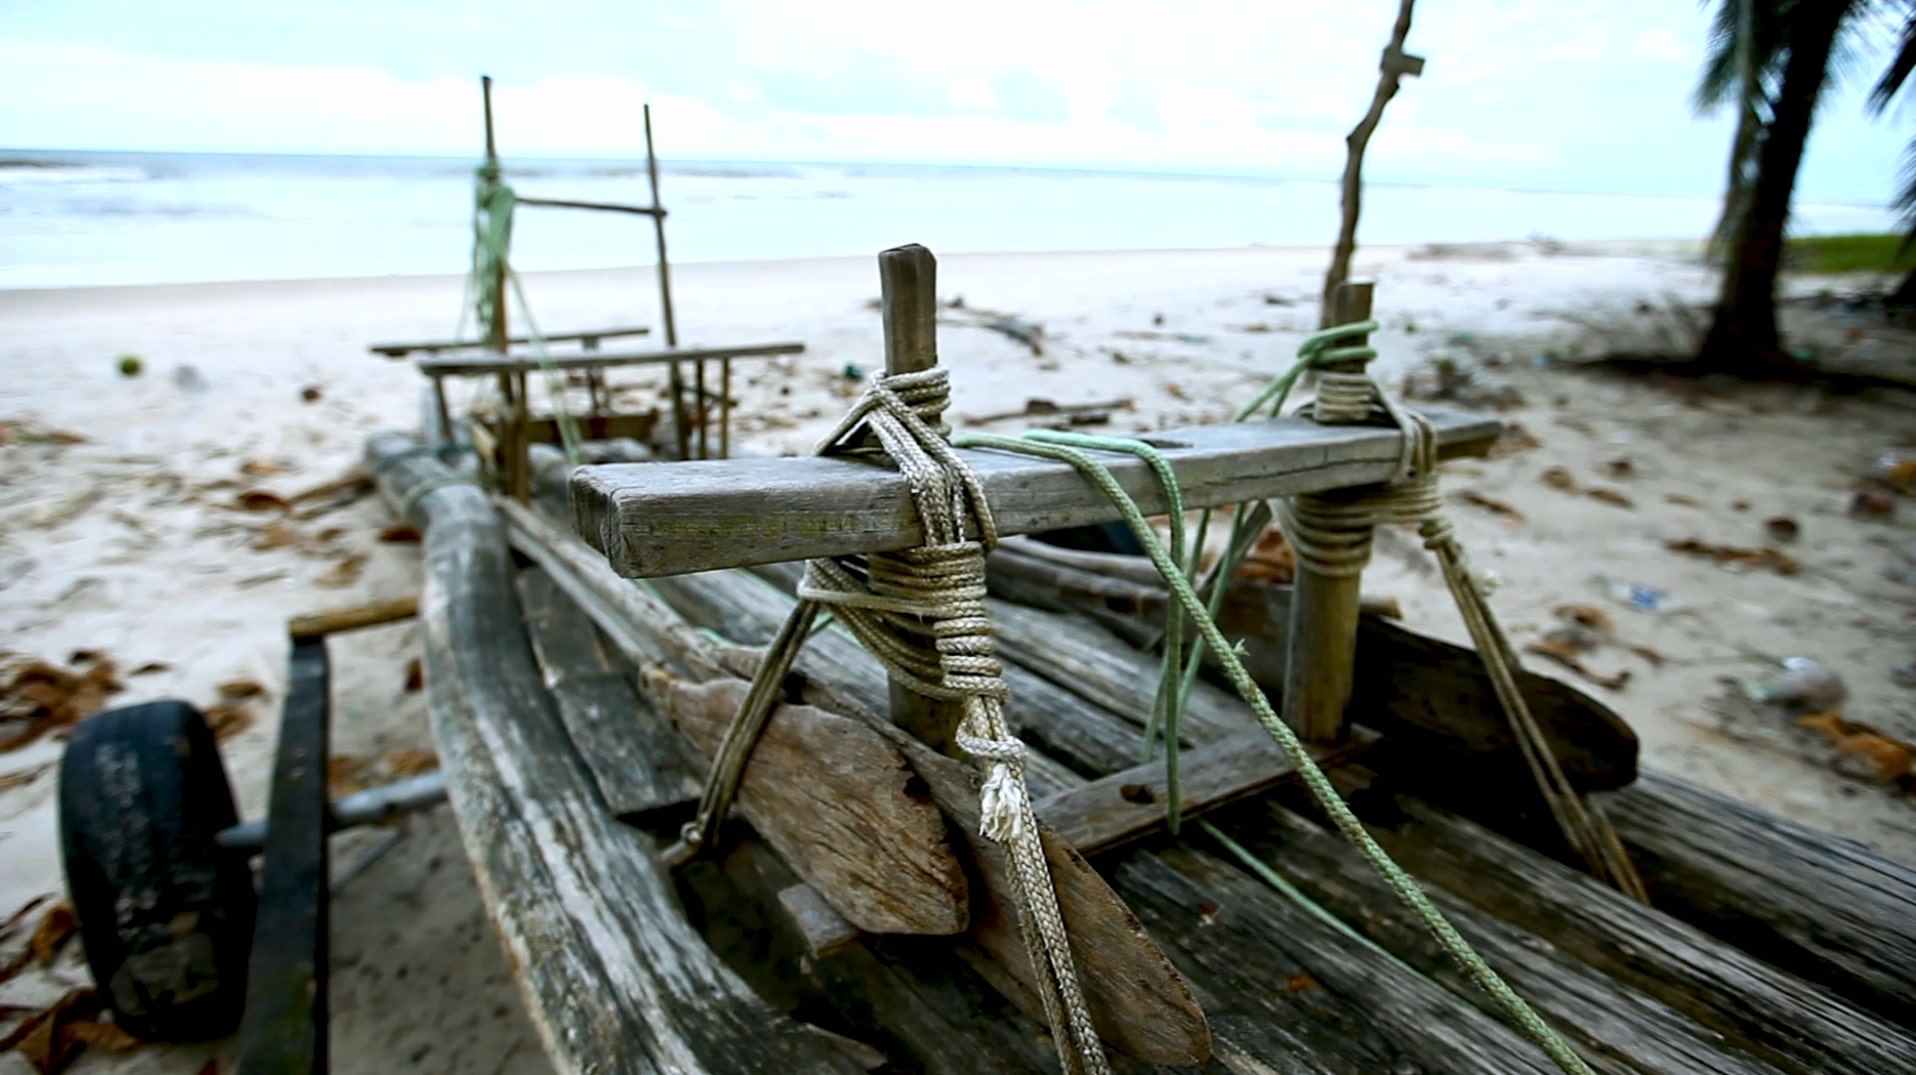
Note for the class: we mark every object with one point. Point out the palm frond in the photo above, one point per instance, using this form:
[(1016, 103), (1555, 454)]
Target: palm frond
[(1899, 68)]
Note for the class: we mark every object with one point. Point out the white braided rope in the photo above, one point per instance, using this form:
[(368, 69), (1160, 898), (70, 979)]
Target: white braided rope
[(938, 589)]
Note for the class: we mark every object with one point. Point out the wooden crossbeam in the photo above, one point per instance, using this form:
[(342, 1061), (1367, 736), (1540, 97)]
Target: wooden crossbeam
[(589, 340), (603, 207), (477, 362), (652, 519)]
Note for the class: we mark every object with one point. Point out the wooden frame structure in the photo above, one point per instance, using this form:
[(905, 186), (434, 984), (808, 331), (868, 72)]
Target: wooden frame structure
[(507, 440)]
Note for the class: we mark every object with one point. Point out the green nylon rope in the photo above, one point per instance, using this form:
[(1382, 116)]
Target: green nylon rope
[(1321, 789), (494, 204)]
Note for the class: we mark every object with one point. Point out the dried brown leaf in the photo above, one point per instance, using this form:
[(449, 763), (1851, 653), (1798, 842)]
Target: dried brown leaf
[(1891, 758), (1609, 496), (1588, 616), (1173, 389), (1828, 723), (21, 778), (39, 1040), (55, 929), (259, 468), (1621, 468), (1491, 504), (400, 534), (415, 675), (405, 763), (108, 1036), (1566, 656), (1679, 498), (276, 535), (151, 667), (236, 689), (261, 500), (1868, 505), (344, 573), (1656, 659), (345, 774), (1775, 561), (1559, 478), (1782, 528), (228, 720), (1514, 439), (16, 918)]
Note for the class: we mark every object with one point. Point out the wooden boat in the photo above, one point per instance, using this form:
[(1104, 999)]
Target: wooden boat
[(850, 919)]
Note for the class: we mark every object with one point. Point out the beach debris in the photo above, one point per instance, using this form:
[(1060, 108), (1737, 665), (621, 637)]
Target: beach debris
[(1638, 596), (1270, 560), (19, 431), (52, 1038), (240, 689), (1492, 505), (1567, 655), (415, 676), (1871, 505), (853, 372), (1446, 379), (1732, 556), (1273, 299), (22, 777), (1559, 477), (310, 394), (129, 365), (1609, 496), (1621, 468), (1782, 529), (401, 534), (344, 573), (276, 535), (1739, 505), (400, 764), (1514, 438), (334, 494), (56, 927), (228, 719), (1680, 498), (1069, 414), (1589, 617), (19, 916), (1254, 327), (260, 468), (261, 500), (1887, 759), (37, 697), (1805, 685)]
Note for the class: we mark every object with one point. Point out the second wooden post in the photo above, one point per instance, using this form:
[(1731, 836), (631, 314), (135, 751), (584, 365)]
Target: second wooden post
[(1324, 608)]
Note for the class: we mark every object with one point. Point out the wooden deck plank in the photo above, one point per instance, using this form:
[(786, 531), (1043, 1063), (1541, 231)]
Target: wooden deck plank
[(651, 520)]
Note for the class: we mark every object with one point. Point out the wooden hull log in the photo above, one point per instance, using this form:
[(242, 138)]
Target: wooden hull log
[(614, 978)]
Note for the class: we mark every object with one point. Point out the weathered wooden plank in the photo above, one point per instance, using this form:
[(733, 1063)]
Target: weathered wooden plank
[(614, 977), (662, 520), (478, 362), (589, 339), (825, 931), (1127, 804), (1755, 1007), (1295, 994), (1619, 1029), (838, 803), (629, 747), (1819, 907), (1431, 699)]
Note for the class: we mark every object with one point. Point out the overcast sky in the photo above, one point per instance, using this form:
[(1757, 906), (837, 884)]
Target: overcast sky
[(1548, 94)]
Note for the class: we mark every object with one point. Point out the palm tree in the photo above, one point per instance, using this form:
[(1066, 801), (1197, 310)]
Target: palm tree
[(1754, 44), (1885, 91)]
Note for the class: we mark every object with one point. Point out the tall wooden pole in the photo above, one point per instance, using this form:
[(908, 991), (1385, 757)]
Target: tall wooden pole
[(1394, 66), (1324, 608), (665, 294), (908, 276), (512, 423)]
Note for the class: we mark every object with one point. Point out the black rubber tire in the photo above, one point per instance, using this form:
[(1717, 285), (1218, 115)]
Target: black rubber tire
[(166, 914)]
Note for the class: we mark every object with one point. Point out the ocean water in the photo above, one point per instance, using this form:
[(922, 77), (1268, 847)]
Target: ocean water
[(71, 219)]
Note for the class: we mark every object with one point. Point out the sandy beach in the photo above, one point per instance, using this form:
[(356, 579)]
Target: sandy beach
[(130, 542)]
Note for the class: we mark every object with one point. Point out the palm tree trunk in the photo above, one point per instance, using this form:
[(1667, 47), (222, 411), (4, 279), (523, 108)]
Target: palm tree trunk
[(1743, 333)]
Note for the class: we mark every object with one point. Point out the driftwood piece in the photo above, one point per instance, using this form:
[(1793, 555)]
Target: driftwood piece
[(1819, 907), (371, 614), (1125, 974), (629, 747), (839, 804), (477, 362), (589, 340), (1304, 997), (1127, 804), (614, 978), (1617, 1028), (1756, 1008), (1395, 65), (661, 520)]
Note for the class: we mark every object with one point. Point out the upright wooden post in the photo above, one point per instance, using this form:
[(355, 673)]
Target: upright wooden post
[(908, 277), (1323, 636), (665, 293), (1395, 65), (512, 431)]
